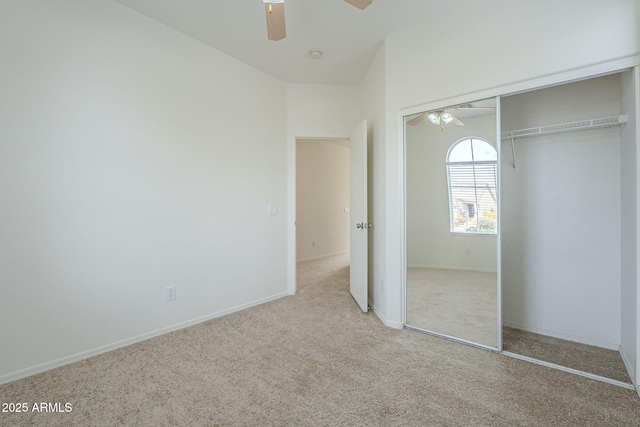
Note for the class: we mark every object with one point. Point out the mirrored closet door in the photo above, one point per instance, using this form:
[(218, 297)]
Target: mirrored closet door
[(451, 168)]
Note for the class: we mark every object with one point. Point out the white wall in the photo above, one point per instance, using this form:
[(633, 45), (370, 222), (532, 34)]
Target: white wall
[(561, 211), (429, 240), (131, 158), (491, 46), (373, 95), (322, 110), (322, 194)]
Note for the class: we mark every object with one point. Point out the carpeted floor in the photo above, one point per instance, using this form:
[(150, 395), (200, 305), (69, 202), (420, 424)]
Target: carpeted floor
[(463, 304), (314, 359), (587, 358), (457, 303)]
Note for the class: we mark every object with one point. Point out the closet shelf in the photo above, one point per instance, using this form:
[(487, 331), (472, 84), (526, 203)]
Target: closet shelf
[(604, 122)]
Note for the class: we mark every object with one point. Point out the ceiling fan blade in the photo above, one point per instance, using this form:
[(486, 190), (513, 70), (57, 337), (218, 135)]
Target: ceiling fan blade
[(276, 29), (456, 121), (419, 119), (360, 4)]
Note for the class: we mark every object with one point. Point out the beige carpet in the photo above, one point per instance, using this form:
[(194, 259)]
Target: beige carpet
[(314, 359), (458, 303), (587, 358)]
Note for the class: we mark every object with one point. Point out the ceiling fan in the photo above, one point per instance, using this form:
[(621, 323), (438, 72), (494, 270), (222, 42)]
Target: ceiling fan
[(274, 9), (444, 116)]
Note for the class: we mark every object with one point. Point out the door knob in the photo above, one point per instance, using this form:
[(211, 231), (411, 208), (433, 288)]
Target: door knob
[(360, 225)]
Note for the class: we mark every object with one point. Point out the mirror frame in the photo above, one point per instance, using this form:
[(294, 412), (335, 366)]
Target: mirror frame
[(436, 106)]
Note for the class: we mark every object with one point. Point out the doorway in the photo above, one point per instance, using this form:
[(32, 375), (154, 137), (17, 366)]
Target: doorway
[(347, 178), (322, 198)]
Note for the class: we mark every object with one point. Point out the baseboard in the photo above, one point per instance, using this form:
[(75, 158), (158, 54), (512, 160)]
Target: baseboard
[(47, 366), (313, 258), (562, 335), (452, 267), (627, 364), (382, 318), (376, 311), (395, 325)]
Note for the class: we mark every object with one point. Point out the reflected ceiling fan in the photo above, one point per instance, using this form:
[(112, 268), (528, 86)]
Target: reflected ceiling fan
[(274, 9), (445, 116)]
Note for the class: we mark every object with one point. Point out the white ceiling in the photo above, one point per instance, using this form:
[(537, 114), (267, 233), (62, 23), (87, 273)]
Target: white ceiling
[(349, 37)]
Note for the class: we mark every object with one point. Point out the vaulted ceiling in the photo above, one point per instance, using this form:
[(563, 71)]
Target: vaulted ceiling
[(349, 37)]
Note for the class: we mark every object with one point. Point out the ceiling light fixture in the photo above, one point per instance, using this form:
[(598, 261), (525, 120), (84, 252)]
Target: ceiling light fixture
[(440, 116), (446, 117), (434, 118), (315, 53)]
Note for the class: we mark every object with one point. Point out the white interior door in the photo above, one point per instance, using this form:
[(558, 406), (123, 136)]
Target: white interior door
[(359, 221)]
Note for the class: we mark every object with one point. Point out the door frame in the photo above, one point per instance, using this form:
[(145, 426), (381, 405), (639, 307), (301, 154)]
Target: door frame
[(610, 68)]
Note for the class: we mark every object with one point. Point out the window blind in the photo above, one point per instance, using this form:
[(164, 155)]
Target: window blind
[(473, 204)]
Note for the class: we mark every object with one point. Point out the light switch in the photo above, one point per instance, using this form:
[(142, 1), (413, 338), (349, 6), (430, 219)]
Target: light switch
[(272, 209)]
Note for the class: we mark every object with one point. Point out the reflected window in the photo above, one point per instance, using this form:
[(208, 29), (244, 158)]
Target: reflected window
[(472, 173)]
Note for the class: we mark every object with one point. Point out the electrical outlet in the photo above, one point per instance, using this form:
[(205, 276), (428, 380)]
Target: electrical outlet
[(313, 244), (468, 251), (382, 286), (171, 293)]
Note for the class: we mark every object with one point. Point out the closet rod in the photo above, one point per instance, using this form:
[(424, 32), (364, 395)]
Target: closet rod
[(604, 122)]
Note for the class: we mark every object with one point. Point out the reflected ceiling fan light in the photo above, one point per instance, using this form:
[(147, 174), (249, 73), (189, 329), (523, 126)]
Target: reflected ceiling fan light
[(446, 117), (434, 118), (273, 1)]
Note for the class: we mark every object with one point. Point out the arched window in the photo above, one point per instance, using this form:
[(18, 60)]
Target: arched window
[(472, 173)]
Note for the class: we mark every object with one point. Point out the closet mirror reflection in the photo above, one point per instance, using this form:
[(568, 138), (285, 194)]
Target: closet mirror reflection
[(452, 222)]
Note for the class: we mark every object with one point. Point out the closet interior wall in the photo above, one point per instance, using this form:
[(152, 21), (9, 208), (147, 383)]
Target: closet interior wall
[(562, 215)]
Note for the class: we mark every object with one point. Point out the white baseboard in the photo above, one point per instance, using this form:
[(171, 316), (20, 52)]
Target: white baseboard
[(630, 368), (453, 267), (376, 311), (383, 319), (313, 258), (562, 335), (395, 325), (47, 366)]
